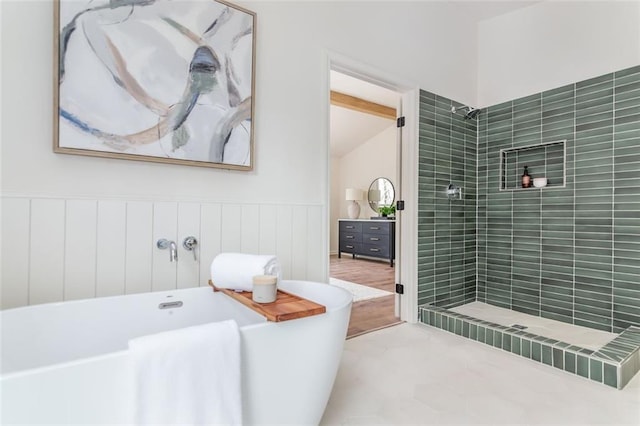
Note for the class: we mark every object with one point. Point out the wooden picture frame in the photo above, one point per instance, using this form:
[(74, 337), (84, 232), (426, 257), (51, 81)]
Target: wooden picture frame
[(169, 81)]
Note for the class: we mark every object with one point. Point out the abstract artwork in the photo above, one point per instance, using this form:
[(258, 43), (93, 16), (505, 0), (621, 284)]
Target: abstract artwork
[(157, 80)]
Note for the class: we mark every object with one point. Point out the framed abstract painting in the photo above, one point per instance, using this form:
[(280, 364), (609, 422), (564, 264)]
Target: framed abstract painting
[(167, 81)]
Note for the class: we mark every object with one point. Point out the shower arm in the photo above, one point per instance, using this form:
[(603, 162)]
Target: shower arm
[(471, 111), (455, 109)]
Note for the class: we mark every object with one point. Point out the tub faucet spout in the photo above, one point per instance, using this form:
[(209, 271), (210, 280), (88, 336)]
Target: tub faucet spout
[(173, 251), (163, 244)]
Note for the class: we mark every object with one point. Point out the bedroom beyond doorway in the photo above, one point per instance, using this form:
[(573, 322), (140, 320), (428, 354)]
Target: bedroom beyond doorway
[(368, 314)]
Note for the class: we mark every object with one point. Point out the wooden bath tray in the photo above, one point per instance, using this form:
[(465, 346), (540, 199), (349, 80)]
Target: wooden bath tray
[(286, 307)]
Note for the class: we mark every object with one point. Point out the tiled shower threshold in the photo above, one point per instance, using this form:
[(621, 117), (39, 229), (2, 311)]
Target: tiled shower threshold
[(584, 337), (608, 358)]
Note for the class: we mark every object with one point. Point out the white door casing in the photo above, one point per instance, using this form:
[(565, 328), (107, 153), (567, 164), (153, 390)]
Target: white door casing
[(406, 221)]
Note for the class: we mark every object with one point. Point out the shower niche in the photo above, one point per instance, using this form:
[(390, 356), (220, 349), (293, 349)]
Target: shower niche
[(544, 160)]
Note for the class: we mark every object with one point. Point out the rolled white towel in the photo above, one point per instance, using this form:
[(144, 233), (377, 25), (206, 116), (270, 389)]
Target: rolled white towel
[(236, 270)]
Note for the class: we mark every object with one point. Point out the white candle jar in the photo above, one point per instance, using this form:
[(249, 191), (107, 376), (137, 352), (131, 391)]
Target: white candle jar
[(265, 288)]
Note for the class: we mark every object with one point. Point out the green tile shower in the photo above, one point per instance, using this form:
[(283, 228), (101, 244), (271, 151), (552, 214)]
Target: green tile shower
[(568, 252)]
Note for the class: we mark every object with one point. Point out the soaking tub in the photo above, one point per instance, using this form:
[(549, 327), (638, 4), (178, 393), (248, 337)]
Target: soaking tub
[(67, 362)]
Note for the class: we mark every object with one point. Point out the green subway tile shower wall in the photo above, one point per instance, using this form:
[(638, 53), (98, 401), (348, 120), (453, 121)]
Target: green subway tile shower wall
[(570, 251), (446, 228)]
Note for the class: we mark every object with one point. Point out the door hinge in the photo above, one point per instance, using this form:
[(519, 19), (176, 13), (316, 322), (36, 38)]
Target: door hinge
[(400, 122), (400, 205), (400, 288)]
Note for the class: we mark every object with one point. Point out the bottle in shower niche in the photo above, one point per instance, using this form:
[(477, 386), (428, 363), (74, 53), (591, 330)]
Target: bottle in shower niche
[(526, 179)]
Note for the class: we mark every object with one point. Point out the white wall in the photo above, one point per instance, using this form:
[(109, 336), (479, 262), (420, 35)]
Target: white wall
[(291, 152), (550, 44), (290, 40), (357, 169), (434, 44)]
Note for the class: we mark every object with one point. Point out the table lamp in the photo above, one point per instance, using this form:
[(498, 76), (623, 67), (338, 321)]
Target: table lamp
[(353, 208)]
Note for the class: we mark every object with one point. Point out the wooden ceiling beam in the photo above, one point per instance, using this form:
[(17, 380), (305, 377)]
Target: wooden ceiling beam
[(357, 104)]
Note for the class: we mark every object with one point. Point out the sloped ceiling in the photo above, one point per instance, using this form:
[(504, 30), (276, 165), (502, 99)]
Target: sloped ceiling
[(349, 128)]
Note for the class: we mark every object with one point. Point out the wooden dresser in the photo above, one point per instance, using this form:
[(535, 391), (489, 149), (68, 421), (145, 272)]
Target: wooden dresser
[(365, 237)]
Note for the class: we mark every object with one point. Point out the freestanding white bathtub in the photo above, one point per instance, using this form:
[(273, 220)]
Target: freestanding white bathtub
[(67, 363)]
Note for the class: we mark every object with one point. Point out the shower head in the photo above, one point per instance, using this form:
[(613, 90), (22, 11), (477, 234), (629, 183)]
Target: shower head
[(471, 112)]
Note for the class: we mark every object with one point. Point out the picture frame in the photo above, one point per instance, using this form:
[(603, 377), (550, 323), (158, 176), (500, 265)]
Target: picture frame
[(168, 81)]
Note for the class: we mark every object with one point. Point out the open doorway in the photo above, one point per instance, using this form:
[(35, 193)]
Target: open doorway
[(364, 185)]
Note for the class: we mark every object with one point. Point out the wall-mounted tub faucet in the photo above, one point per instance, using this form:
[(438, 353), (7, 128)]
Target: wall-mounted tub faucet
[(163, 244)]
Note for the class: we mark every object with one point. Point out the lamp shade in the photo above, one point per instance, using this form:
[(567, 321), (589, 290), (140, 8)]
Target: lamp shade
[(353, 194)]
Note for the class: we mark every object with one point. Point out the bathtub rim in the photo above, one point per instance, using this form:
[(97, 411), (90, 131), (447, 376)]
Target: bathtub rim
[(167, 292), (123, 352)]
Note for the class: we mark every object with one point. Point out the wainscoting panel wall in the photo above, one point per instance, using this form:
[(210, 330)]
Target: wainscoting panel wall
[(284, 250), (571, 254), (15, 251), (139, 247), (314, 251), (268, 236), (250, 229), (111, 238), (66, 249), (80, 249), (46, 251), (446, 228)]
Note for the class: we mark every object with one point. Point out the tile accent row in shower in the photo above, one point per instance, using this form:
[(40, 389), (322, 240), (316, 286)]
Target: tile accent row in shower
[(614, 364), (446, 228), (571, 254)]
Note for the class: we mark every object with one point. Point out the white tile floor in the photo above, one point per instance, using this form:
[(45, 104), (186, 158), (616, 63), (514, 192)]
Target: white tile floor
[(568, 333), (414, 374)]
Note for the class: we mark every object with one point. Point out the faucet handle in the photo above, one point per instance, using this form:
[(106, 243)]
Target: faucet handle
[(163, 244), (190, 244)]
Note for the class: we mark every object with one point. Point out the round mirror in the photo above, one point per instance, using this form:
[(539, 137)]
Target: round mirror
[(381, 193)]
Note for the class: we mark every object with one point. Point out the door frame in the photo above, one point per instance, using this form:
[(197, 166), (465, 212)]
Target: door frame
[(407, 237)]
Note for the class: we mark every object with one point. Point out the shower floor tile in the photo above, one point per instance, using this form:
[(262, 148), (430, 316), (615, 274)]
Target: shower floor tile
[(569, 333)]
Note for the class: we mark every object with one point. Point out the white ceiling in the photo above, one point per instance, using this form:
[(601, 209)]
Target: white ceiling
[(349, 128), (364, 90)]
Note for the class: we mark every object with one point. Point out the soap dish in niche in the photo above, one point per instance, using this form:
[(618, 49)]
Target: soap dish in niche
[(540, 182)]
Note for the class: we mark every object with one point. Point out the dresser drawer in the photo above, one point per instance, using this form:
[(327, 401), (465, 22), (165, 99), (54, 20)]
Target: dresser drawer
[(376, 239), (350, 237), (346, 226), (348, 247), (375, 250), (376, 228)]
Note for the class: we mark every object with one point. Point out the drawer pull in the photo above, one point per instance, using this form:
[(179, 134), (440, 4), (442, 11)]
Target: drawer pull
[(349, 246), (374, 249), (348, 237), (374, 227), (349, 227), (374, 239)]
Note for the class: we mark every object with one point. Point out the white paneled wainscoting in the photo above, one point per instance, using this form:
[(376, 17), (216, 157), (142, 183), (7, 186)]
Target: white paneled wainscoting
[(56, 249)]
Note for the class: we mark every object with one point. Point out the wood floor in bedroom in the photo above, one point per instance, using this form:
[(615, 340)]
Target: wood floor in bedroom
[(373, 314)]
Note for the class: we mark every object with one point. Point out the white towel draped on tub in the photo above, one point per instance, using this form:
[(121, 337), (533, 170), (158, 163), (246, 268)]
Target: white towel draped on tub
[(236, 270), (189, 376)]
